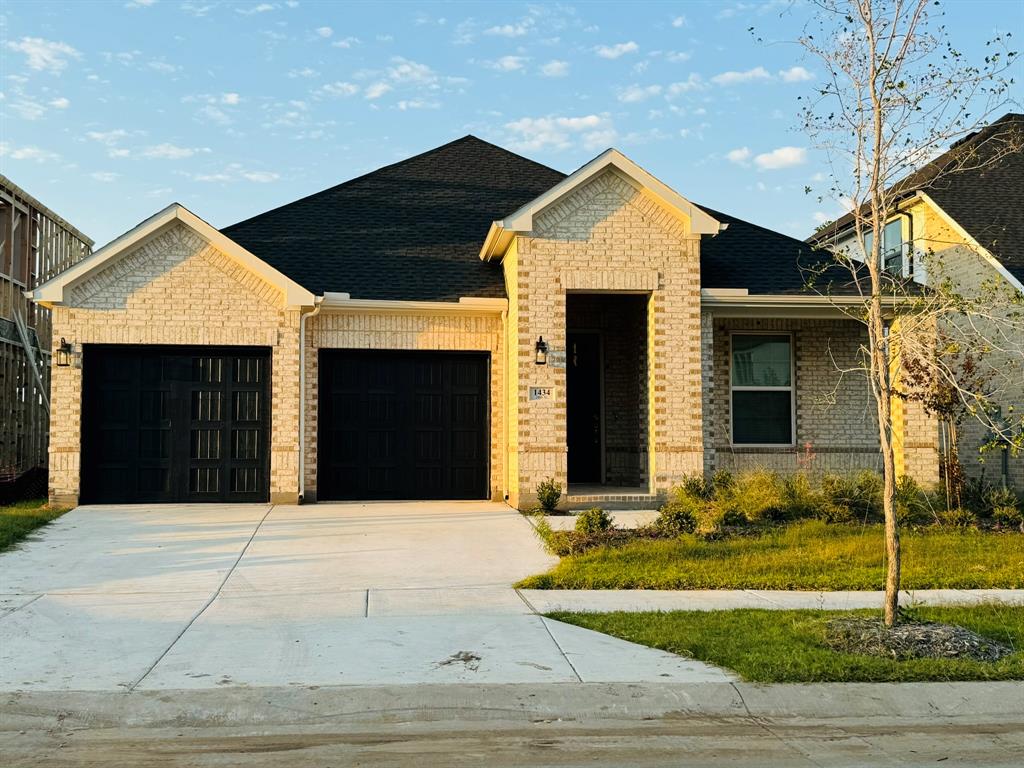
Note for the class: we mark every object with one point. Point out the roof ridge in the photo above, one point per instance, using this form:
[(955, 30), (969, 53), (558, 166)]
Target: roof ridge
[(462, 139)]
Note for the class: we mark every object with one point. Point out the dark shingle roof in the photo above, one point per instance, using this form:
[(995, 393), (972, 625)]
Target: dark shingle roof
[(763, 261), (979, 182), (409, 231)]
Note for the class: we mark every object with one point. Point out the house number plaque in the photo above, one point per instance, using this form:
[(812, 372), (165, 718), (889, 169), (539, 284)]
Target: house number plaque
[(540, 393)]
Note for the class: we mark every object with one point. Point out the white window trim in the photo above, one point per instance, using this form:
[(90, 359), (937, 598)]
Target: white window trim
[(791, 388)]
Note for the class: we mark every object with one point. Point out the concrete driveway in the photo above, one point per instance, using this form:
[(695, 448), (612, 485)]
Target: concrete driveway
[(205, 596)]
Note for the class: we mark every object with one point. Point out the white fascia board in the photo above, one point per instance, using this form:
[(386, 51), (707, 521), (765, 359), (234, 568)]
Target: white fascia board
[(991, 259), (723, 302), (522, 220), (340, 302), (52, 291)]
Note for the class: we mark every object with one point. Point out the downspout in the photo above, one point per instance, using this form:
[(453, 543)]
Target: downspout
[(504, 403), (318, 305)]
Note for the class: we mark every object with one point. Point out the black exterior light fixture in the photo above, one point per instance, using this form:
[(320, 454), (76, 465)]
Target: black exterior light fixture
[(64, 352), (541, 348)]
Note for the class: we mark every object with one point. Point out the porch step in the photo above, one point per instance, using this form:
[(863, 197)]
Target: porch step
[(612, 501)]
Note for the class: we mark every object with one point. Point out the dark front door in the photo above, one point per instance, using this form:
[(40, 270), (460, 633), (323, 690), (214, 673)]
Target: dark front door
[(175, 424), (583, 396), (403, 425)]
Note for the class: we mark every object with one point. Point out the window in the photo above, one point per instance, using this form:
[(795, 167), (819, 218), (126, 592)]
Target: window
[(892, 247), (762, 389)]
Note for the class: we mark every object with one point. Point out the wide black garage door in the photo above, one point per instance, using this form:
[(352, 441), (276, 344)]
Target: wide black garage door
[(175, 424), (403, 425)]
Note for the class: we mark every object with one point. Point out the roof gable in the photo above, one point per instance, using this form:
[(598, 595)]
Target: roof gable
[(521, 220), (53, 291)]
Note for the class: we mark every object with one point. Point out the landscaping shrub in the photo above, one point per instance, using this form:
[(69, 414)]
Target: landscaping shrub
[(696, 487), (548, 494), (959, 518), (754, 496), (801, 499), (722, 480), (912, 505), (998, 498), (676, 517), (593, 520), (1008, 517)]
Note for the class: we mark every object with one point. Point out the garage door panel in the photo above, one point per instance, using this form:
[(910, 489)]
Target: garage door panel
[(398, 425), (192, 424)]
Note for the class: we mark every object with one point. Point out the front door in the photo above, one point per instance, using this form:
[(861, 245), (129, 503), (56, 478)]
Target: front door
[(583, 419)]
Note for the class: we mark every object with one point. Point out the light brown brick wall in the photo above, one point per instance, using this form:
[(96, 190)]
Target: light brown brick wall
[(608, 235), (378, 330), (175, 289), (835, 412)]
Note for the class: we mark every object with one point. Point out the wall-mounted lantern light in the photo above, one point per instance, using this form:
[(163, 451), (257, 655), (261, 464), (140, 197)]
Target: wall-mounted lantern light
[(542, 351), (64, 352)]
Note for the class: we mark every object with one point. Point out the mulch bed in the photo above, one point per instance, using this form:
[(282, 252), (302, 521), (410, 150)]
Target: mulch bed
[(911, 640)]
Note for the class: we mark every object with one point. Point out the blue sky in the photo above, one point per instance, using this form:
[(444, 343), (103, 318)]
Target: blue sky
[(112, 110)]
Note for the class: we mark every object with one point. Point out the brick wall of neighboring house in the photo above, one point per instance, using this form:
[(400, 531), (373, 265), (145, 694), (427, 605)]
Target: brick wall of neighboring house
[(835, 413), (412, 331), (948, 256), (174, 288), (608, 236)]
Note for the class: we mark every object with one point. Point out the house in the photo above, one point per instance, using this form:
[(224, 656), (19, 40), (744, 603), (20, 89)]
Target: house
[(35, 245), (462, 324), (961, 218)]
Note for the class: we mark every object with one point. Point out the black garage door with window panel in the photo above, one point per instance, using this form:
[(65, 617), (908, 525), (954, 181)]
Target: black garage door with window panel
[(175, 424), (403, 425)]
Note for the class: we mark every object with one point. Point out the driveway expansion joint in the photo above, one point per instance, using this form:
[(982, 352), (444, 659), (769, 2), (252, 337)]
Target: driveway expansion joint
[(207, 604)]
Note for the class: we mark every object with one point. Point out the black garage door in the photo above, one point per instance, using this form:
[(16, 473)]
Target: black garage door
[(175, 424), (403, 425)]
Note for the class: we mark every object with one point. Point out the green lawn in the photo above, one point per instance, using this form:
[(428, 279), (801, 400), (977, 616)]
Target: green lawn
[(19, 520), (804, 555), (768, 646)]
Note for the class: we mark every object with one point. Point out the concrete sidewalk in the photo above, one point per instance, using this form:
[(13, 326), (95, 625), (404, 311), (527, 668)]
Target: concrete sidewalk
[(637, 600)]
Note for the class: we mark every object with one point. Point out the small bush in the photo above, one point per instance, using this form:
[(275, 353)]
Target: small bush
[(733, 517), (594, 520), (960, 518), (998, 498), (911, 502), (676, 518), (802, 500), (722, 480), (548, 494), (696, 487), (754, 496), (1008, 517)]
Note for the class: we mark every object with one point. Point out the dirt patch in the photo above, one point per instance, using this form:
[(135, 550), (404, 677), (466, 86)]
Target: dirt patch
[(911, 640), (467, 658)]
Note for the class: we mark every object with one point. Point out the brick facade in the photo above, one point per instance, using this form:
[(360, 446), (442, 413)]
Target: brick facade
[(174, 288)]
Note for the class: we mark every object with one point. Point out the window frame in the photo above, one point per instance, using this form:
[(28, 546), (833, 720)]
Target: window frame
[(742, 388)]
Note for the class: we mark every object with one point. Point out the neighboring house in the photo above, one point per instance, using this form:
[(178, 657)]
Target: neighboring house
[(35, 245), (462, 324), (961, 218)]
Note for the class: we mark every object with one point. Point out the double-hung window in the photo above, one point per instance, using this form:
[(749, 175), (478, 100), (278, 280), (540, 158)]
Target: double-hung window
[(892, 247), (761, 384)]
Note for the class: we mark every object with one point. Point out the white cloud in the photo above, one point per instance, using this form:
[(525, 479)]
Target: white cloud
[(376, 90), (748, 76), (304, 72), (163, 66), (555, 68), (118, 153), (508, 63), (339, 89), (260, 177), (534, 133), (199, 11), (324, 31), (636, 93), (104, 176), (407, 104), (60, 103), (34, 154), (347, 42), (254, 9), (783, 157), (617, 50), (212, 114), (679, 21), (28, 109), (511, 30), (230, 98), (408, 71), (795, 75), (677, 57), (693, 82), (140, 4), (44, 55), (170, 152), (739, 156), (107, 137)]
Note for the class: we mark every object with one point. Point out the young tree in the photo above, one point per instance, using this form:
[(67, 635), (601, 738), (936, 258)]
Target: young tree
[(897, 94)]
